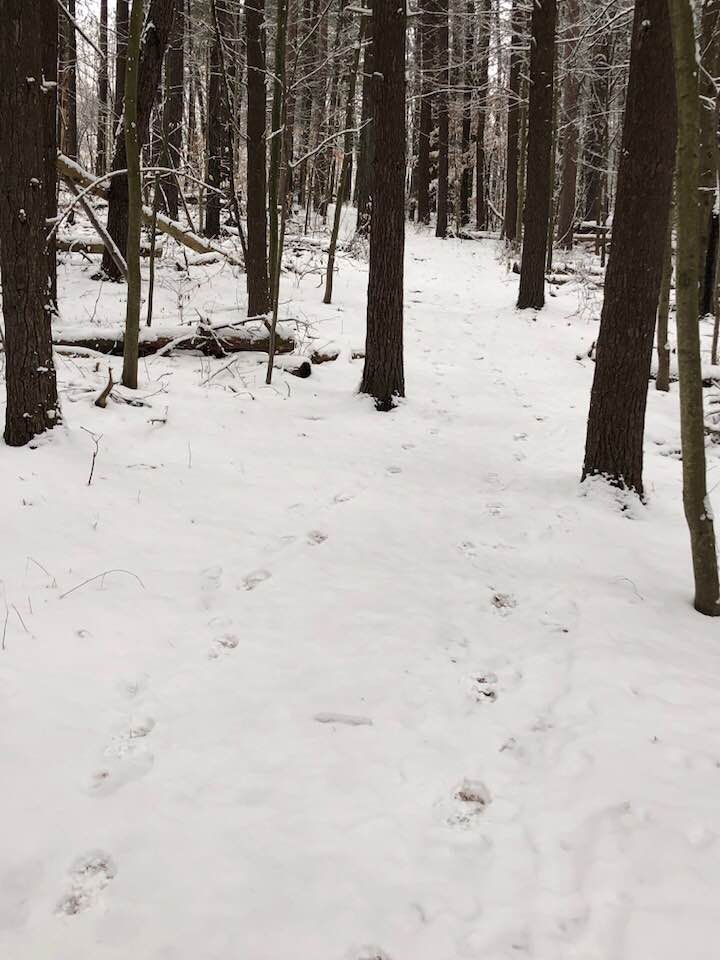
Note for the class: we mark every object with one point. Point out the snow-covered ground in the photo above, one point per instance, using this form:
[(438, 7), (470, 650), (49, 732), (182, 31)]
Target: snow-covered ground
[(292, 678)]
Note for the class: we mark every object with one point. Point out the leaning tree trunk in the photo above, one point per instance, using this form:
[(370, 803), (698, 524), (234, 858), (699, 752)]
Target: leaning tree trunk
[(425, 127), (442, 51), (383, 375), (698, 511), (156, 36), (257, 264), (616, 422), (513, 125), (27, 170), (134, 181), (540, 143)]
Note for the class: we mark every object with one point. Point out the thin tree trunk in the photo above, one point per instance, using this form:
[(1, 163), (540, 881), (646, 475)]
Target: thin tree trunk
[(172, 155), (121, 31), (540, 138), (568, 179), (383, 375), (513, 125), (698, 511), (134, 183), (443, 56), (425, 126), (154, 43), (216, 141), (257, 265), (708, 150), (481, 215), (102, 119), (662, 380), (614, 443), (277, 135), (366, 150), (27, 173)]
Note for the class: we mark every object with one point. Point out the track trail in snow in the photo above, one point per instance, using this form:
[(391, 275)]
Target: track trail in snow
[(395, 686)]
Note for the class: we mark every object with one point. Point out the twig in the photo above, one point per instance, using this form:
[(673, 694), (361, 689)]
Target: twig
[(79, 29), (96, 440), (100, 576)]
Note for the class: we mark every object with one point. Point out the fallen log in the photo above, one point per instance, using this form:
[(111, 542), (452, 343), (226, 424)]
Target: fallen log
[(211, 341), (69, 170), (81, 245)]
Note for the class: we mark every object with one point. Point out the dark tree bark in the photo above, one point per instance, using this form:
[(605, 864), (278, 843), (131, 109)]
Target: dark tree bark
[(614, 444), (467, 84), (481, 205), (513, 126), (257, 265), (366, 149), (173, 110), (155, 40), (383, 376), (540, 143), (216, 139), (102, 120), (568, 182), (596, 139), (121, 37), (443, 77), (68, 84), (427, 55), (708, 154), (27, 174)]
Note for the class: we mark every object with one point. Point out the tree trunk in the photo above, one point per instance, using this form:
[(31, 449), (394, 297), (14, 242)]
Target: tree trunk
[(442, 51), (383, 376), (481, 216), (276, 143), (698, 511), (571, 87), (540, 140), (121, 31), (172, 155), (154, 43), (216, 123), (134, 182), (614, 443), (513, 125), (708, 151), (68, 84), (102, 119), (662, 380), (257, 265), (27, 174), (366, 151), (425, 127)]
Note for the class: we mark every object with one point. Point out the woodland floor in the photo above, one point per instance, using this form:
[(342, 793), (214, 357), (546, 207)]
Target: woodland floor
[(356, 685)]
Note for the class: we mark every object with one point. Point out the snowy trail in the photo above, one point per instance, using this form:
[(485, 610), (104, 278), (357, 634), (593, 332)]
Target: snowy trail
[(394, 687)]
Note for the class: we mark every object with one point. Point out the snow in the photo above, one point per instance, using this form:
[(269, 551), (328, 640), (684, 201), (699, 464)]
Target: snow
[(295, 678)]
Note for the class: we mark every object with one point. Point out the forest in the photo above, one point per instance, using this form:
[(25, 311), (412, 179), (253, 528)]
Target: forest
[(361, 431)]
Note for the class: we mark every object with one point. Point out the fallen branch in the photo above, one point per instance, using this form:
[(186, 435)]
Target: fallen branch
[(103, 398)]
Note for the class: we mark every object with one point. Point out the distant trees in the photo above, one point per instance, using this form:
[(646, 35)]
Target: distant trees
[(28, 41)]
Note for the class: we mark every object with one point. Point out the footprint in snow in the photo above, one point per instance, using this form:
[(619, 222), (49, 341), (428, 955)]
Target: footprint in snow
[(89, 876), (316, 536), (255, 578), (127, 758), (224, 642), (211, 579), (504, 602), (393, 470), (484, 687), (470, 799)]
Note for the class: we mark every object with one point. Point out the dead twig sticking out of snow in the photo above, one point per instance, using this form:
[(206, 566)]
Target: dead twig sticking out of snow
[(44, 570), (7, 617), (96, 437), (103, 398), (101, 576)]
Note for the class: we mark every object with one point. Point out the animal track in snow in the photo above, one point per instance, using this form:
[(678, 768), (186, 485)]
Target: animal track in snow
[(393, 470), (128, 758), (88, 878), (504, 602), (225, 641), (484, 687), (211, 580), (255, 578)]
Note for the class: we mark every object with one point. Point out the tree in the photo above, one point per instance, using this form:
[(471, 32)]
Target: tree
[(570, 90), (616, 421), (172, 118), (102, 119), (121, 29), (27, 172), (540, 144), (425, 126), (513, 125), (698, 511), (442, 53), (481, 214), (156, 36), (383, 375), (257, 264), (134, 183), (366, 147)]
